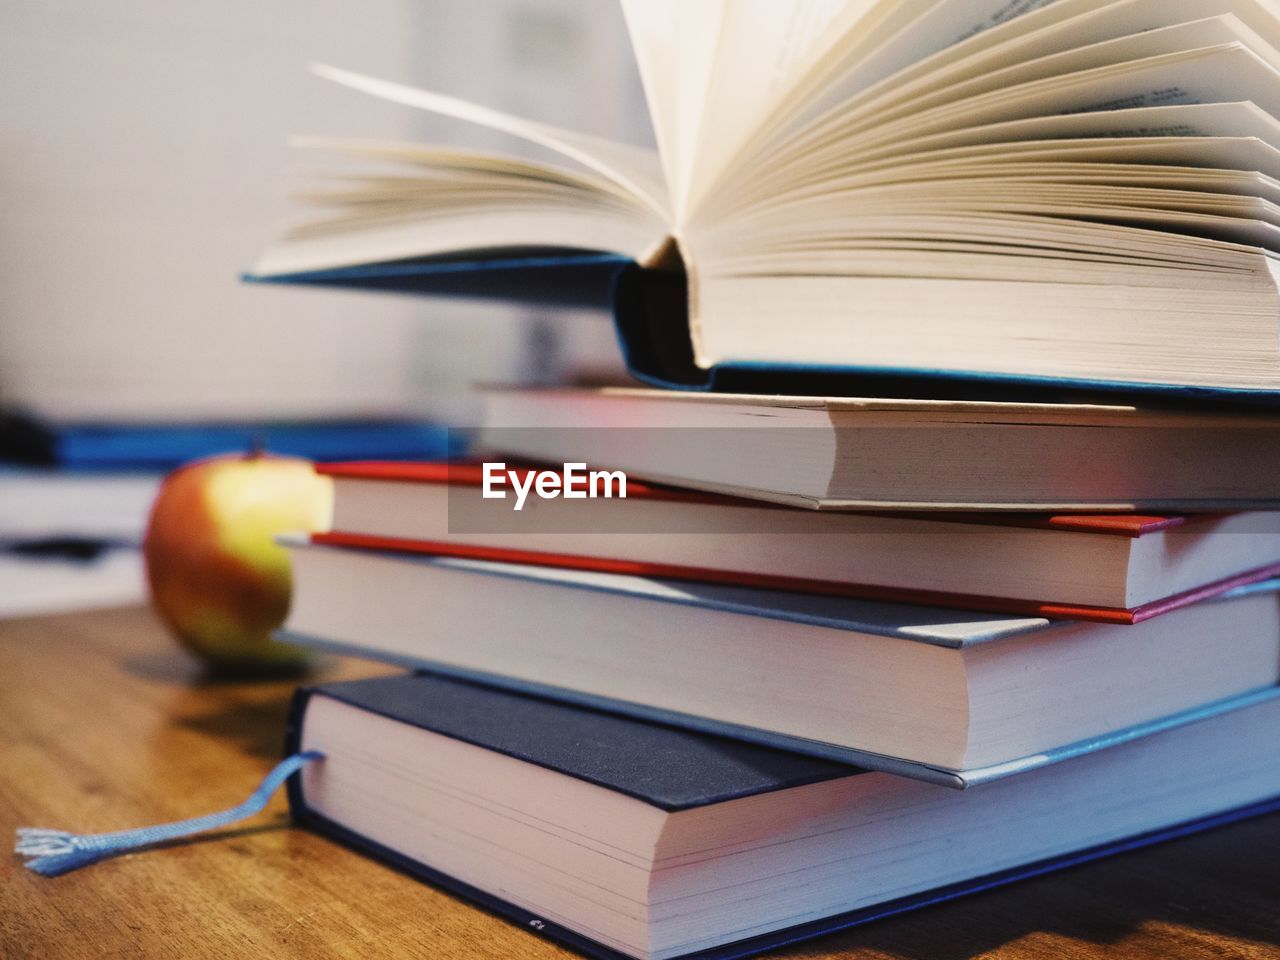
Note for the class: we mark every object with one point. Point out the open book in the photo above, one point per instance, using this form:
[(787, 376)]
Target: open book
[(1085, 190)]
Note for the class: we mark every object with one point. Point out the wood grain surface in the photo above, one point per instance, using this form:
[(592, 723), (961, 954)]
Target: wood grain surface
[(105, 725)]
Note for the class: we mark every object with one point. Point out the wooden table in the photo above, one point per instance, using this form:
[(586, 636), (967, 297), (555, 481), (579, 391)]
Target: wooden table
[(106, 725)]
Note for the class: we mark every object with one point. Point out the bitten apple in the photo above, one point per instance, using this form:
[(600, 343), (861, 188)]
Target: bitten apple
[(218, 578)]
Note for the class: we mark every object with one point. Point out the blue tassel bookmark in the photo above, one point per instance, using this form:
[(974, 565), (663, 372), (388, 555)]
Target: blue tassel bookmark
[(57, 851)]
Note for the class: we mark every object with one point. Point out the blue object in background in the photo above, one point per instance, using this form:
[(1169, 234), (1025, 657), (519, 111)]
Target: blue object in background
[(164, 446)]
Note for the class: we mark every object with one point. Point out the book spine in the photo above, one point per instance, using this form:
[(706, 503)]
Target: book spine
[(651, 319), (304, 816), (292, 745)]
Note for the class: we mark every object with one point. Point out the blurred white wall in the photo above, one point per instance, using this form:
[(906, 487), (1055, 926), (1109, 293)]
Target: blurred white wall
[(142, 167)]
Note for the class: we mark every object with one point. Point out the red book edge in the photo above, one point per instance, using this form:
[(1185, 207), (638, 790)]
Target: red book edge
[(471, 474), (1052, 611)]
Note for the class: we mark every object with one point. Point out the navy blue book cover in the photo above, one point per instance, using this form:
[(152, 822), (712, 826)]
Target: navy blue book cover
[(670, 768), (573, 278)]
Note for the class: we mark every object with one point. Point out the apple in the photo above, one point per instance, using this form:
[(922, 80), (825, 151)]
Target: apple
[(218, 579)]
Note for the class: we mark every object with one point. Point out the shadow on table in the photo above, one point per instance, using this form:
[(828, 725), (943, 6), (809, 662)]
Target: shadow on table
[(174, 666), (246, 711), (256, 727), (1218, 889)]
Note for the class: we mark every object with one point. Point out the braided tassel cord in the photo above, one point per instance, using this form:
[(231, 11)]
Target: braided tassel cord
[(55, 852)]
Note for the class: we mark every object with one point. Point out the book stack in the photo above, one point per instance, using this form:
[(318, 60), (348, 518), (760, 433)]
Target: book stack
[(684, 721), (957, 567)]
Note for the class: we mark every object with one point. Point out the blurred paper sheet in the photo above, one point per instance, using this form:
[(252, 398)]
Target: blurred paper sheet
[(36, 505), (46, 507), (33, 587)]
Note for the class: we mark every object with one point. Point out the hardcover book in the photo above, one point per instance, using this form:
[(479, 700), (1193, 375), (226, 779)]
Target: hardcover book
[(850, 453), (950, 696), (1113, 568), (621, 838), (1074, 193)]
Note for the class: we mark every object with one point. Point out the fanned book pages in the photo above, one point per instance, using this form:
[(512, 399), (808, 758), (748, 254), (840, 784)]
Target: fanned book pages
[(1079, 190)]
